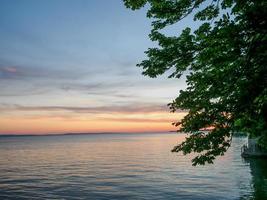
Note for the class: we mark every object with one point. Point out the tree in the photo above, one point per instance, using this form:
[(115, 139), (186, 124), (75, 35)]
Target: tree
[(225, 59)]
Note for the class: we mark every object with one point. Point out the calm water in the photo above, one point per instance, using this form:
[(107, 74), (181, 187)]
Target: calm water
[(116, 166)]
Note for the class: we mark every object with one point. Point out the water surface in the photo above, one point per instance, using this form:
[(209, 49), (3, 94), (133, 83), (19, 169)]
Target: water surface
[(122, 166)]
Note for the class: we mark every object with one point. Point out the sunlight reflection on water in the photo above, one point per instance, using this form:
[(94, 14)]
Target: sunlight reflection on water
[(128, 166)]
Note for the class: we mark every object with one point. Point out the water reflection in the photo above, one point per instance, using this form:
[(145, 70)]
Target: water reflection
[(258, 168), (128, 166)]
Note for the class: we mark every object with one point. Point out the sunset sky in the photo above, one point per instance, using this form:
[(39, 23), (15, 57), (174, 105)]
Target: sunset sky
[(69, 66)]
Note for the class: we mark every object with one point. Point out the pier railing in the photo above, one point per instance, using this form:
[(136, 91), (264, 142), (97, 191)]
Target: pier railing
[(244, 149)]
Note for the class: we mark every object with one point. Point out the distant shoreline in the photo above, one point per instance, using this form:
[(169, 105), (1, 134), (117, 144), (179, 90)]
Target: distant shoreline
[(96, 133), (102, 133)]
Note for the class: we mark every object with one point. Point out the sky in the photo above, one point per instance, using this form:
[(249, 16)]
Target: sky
[(70, 66)]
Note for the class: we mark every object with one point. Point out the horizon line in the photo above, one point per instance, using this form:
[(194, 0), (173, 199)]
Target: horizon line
[(83, 133)]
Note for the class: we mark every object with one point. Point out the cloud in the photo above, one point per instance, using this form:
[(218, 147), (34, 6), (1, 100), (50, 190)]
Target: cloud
[(132, 113), (27, 80), (117, 89), (139, 120), (26, 92), (94, 86), (78, 118), (21, 72), (124, 109), (10, 69), (8, 72), (81, 87)]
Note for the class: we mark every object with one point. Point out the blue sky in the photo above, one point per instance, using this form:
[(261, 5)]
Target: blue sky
[(76, 54)]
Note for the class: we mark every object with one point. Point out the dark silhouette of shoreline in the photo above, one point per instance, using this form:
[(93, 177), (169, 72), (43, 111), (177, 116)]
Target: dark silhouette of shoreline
[(85, 133)]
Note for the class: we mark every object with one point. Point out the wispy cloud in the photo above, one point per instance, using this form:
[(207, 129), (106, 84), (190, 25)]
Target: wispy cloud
[(125, 109), (96, 86), (8, 72), (21, 72), (140, 120)]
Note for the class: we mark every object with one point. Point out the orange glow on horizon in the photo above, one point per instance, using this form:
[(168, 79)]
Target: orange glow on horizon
[(156, 122)]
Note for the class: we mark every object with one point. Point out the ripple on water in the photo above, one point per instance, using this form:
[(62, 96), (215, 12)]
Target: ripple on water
[(125, 166)]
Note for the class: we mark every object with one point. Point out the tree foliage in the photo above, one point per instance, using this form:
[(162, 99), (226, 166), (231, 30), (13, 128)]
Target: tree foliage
[(225, 59)]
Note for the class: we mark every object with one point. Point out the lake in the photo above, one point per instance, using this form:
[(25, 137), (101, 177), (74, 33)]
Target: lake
[(122, 166)]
